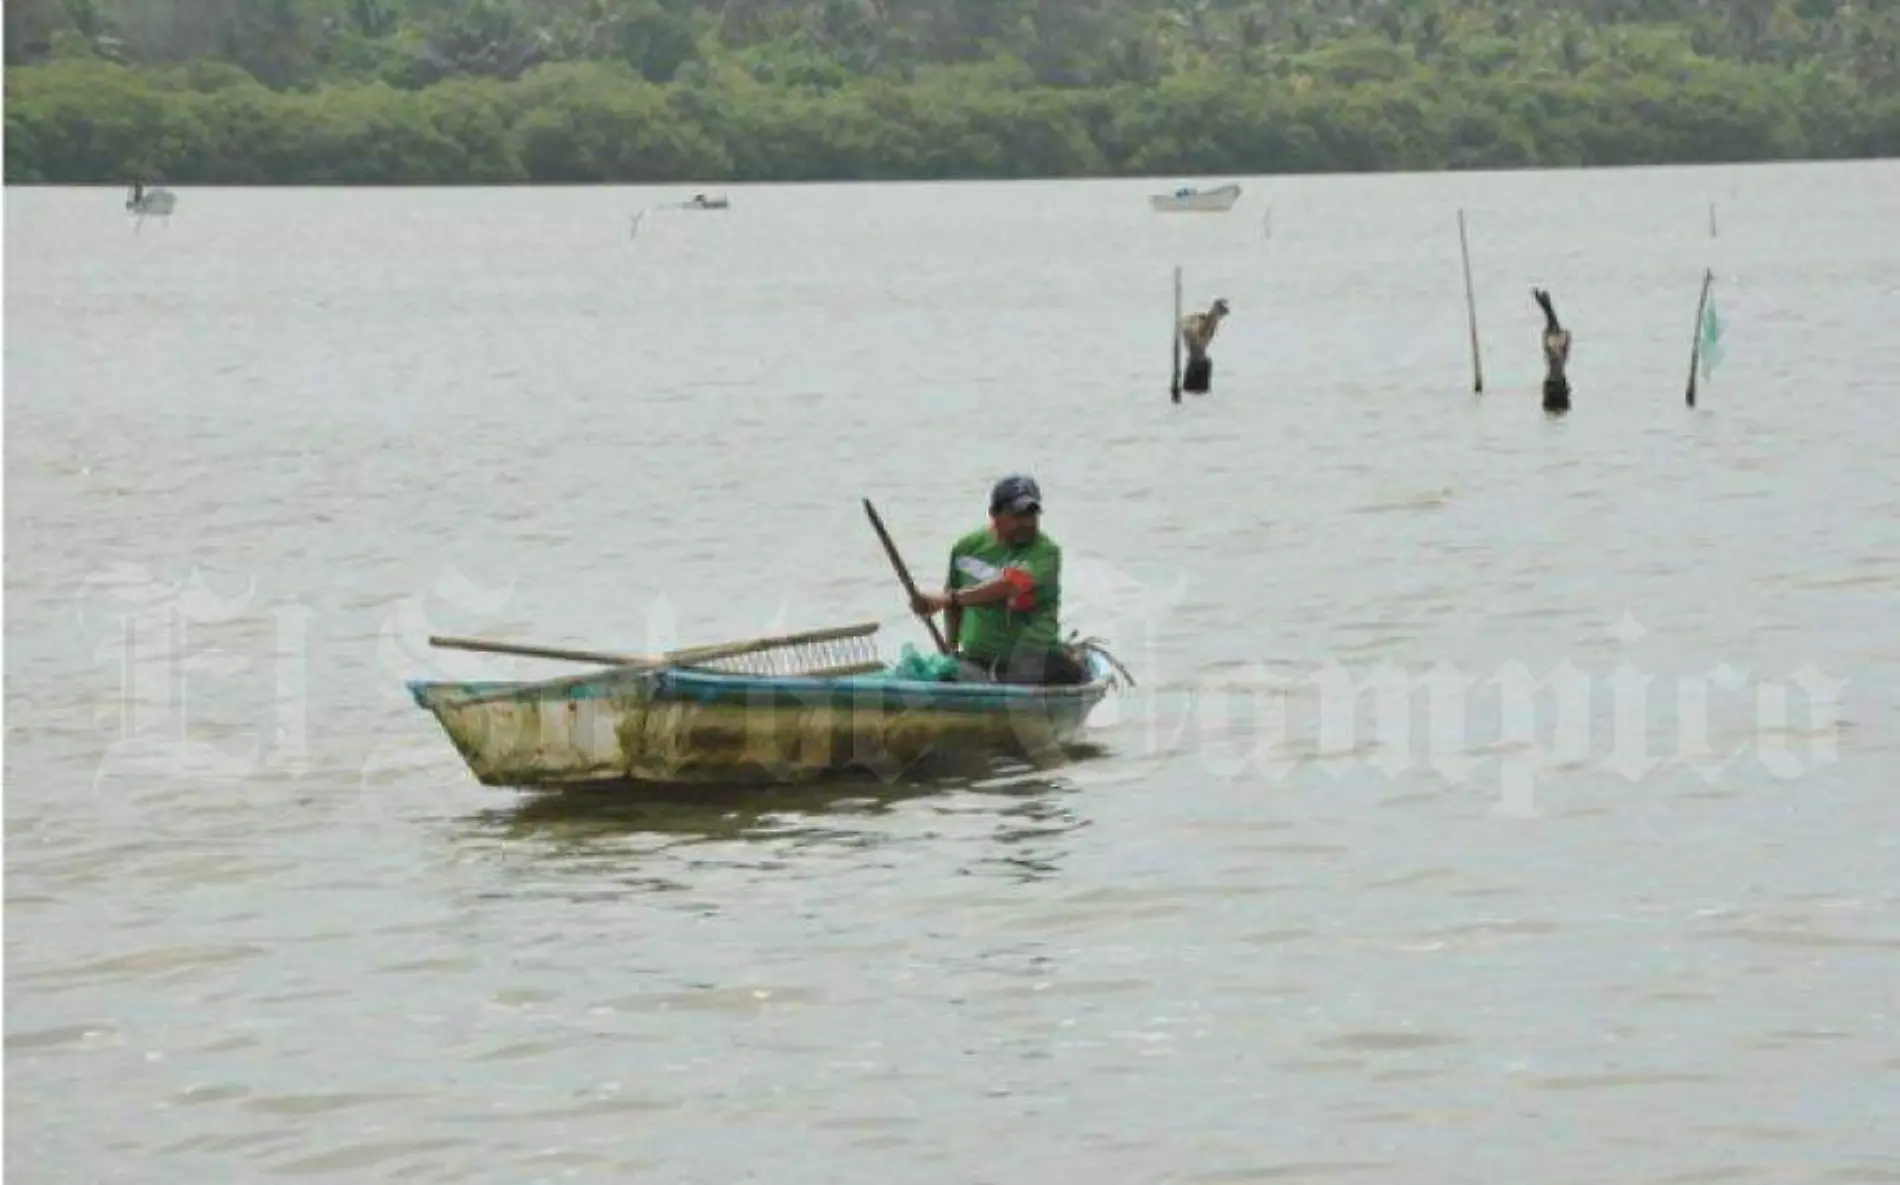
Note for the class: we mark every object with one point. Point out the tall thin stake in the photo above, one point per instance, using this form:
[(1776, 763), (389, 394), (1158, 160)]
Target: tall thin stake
[(1174, 335), (1695, 346), (1471, 308)]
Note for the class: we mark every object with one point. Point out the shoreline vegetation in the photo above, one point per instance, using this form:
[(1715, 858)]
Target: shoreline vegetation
[(461, 92)]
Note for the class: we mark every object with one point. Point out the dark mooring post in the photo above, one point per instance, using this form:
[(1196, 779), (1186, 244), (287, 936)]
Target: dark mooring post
[(1197, 331), (1556, 343)]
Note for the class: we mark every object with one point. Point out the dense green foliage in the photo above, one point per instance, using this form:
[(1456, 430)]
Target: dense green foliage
[(420, 91)]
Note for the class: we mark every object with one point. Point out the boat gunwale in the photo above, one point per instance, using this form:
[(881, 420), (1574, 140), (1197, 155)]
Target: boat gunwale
[(679, 684)]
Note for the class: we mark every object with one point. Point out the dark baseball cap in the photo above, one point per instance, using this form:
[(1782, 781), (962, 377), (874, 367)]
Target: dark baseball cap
[(1018, 494)]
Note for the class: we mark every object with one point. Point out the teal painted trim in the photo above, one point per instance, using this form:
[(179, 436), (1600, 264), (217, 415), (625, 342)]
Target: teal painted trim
[(882, 693)]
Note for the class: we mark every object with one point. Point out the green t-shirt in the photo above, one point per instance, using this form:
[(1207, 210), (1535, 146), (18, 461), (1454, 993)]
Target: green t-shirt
[(1026, 620)]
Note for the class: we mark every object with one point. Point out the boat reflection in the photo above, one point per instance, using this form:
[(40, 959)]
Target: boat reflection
[(833, 809)]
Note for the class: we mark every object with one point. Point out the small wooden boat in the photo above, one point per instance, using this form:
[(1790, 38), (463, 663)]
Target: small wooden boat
[(1190, 200), (700, 201), (690, 725)]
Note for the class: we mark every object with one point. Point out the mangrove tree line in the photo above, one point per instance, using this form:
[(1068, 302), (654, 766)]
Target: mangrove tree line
[(474, 91)]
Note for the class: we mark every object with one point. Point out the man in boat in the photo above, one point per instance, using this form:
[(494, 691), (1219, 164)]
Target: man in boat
[(1197, 332), (1556, 356), (1003, 595)]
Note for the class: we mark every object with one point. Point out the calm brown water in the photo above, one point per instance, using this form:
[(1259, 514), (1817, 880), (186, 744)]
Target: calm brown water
[(1638, 926)]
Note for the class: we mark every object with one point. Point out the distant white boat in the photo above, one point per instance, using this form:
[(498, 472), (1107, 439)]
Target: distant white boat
[(1200, 201), (700, 201), (154, 202)]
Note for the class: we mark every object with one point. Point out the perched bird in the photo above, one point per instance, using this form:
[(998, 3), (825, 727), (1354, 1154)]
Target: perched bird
[(1556, 356), (1198, 329)]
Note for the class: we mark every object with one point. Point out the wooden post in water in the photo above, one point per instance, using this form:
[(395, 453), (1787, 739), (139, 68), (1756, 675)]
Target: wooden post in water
[(1695, 348), (1174, 334), (1471, 307)]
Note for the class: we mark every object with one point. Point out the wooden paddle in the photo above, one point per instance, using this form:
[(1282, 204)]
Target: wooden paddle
[(903, 573)]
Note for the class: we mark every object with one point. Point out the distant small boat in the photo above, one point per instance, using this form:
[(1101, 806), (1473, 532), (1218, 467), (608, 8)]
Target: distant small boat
[(154, 202), (1190, 200), (700, 201)]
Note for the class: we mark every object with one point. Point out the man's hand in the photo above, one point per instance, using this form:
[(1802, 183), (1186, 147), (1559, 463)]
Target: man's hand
[(924, 604)]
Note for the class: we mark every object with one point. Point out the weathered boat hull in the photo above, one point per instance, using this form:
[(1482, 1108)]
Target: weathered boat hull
[(1198, 201), (677, 726)]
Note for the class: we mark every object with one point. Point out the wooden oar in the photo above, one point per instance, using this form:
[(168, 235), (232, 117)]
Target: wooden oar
[(694, 654), (903, 573), (603, 657)]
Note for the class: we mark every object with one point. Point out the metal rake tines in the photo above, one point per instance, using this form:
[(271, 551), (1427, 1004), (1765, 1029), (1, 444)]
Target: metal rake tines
[(855, 654)]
